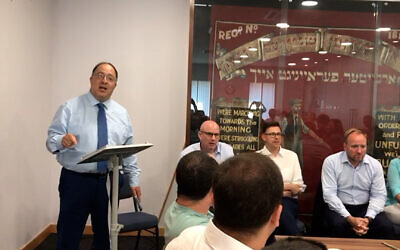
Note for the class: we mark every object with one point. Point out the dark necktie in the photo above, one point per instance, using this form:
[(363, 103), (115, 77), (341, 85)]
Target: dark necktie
[(102, 138), (295, 124)]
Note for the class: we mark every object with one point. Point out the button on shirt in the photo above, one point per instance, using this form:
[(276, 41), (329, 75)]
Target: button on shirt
[(78, 116), (344, 184), (222, 152)]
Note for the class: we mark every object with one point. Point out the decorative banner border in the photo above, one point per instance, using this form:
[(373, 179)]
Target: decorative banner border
[(284, 45)]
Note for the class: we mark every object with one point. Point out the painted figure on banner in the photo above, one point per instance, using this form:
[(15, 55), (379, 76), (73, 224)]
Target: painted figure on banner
[(293, 126)]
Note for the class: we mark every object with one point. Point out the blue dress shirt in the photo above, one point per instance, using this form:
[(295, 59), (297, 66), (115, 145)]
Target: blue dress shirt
[(344, 184), (222, 152), (78, 116)]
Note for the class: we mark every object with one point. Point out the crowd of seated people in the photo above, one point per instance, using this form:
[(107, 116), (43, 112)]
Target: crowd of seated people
[(353, 189)]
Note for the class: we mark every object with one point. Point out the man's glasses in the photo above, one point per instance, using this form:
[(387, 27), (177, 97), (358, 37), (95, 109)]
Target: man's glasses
[(210, 134), (273, 134), (101, 75)]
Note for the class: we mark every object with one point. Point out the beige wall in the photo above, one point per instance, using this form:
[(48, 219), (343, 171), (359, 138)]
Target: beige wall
[(47, 50)]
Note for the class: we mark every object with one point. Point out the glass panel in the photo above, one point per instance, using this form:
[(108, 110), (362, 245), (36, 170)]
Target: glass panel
[(329, 65)]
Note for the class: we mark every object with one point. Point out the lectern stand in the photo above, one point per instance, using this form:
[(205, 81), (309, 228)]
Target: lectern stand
[(114, 155)]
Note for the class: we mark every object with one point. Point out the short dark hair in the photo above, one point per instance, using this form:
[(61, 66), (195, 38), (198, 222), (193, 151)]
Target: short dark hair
[(247, 189), (296, 243), (266, 125), (100, 63), (194, 174)]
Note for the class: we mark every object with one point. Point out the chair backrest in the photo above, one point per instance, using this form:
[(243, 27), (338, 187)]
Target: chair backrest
[(125, 190)]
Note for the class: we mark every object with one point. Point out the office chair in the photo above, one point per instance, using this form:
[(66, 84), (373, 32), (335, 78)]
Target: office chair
[(137, 220)]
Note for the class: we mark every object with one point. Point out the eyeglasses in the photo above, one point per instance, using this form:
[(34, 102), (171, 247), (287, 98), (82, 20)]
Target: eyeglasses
[(273, 134), (209, 134), (101, 75)]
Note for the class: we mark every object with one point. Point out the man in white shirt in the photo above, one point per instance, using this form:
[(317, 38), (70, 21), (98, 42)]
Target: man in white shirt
[(288, 163), (247, 192), (209, 143)]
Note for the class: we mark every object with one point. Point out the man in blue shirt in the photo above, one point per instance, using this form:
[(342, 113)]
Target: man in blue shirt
[(73, 133), (209, 143), (354, 188)]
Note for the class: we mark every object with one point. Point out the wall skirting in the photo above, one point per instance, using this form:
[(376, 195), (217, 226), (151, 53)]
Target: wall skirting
[(52, 228)]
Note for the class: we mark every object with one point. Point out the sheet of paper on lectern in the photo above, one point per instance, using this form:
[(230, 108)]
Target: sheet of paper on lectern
[(104, 153)]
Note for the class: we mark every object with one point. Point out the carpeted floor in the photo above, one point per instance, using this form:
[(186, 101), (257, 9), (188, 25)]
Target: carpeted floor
[(124, 243)]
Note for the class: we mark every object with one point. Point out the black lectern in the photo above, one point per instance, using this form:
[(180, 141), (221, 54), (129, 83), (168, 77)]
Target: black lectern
[(114, 156)]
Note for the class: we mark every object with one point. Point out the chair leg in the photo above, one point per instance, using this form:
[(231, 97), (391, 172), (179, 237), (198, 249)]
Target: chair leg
[(137, 240), (157, 238)]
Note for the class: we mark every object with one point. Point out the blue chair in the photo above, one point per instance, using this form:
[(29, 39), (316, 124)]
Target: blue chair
[(136, 220)]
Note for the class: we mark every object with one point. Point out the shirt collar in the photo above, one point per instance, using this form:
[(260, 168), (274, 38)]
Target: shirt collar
[(93, 101), (345, 159), (269, 153)]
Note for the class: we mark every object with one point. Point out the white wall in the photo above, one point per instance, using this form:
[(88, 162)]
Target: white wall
[(48, 49)]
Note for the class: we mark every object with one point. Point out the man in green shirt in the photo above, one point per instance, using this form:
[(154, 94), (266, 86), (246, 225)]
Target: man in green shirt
[(193, 177)]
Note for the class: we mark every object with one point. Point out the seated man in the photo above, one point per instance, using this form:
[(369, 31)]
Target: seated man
[(209, 143), (288, 163), (193, 177), (354, 188), (247, 193)]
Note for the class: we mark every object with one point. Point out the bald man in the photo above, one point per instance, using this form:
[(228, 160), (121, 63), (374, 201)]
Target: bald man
[(209, 143)]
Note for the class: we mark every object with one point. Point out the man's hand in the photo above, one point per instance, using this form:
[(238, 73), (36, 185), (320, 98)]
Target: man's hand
[(290, 189), (136, 192), (68, 141), (359, 225)]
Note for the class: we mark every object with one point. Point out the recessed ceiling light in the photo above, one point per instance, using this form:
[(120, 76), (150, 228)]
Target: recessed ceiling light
[(291, 64), (338, 56), (326, 59), (371, 48), (353, 52), (265, 39), (305, 65), (383, 29), (315, 62), (345, 43), (309, 3), (395, 41), (305, 58), (244, 56), (322, 52), (282, 25), (237, 61), (252, 49)]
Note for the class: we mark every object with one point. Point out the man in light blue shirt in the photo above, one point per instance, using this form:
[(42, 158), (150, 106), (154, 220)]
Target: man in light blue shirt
[(72, 134), (354, 188), (209, 143)]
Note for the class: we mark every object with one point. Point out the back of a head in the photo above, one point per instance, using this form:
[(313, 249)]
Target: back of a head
[(247, 189), (194, 174), (296, 243)]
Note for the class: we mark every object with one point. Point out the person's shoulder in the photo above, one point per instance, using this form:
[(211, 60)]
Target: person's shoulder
[(190, 148), (187, 238), (225, 145), (395, 162), (333, 159), (288, 152), (372, 161), (116, 106)]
